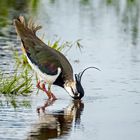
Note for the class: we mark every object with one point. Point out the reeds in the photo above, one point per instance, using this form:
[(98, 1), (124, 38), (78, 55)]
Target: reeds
[(17, 83), (66, 45), (13, 85)]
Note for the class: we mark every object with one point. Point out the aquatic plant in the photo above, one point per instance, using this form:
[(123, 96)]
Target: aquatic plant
[(66, 45), (21, 60), (15, 83)]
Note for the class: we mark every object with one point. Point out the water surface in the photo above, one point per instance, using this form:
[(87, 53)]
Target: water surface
[(110, 35)]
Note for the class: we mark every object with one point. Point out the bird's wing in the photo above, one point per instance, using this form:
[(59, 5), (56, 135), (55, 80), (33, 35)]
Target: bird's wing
[(47, 59), (43, 59)]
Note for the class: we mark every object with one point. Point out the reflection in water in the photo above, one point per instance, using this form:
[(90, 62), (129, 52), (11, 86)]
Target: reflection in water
[(130, 19), (110, 30), (57, 123)]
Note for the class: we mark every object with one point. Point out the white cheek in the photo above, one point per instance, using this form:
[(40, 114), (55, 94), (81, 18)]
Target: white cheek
[(68, 89)]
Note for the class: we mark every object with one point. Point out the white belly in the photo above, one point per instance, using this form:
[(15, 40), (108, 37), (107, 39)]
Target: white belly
[(50, 79)]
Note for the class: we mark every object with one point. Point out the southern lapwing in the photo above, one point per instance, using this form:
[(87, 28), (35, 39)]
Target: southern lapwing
[(51, 66)]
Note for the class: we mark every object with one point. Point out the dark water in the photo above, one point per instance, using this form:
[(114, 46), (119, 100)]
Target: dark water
[(110, 35)]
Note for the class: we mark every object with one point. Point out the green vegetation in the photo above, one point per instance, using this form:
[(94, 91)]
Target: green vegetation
[(21, 61), (67, 45), (15, 83)]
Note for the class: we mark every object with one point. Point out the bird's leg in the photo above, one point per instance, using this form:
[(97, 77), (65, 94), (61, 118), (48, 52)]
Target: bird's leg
[(47, 92), (42, 87), (38, 85), (52, 95)]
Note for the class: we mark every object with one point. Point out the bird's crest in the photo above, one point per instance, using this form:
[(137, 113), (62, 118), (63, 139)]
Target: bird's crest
[(79, 76)]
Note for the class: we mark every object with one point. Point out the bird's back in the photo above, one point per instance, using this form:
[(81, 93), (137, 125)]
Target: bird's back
[(46, 57)]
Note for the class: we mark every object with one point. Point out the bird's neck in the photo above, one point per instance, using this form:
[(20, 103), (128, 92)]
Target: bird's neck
[(68, 77)]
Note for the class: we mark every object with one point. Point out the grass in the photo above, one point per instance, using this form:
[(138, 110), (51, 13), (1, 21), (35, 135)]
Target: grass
[(15, 83), (66, 45), (21, 61)]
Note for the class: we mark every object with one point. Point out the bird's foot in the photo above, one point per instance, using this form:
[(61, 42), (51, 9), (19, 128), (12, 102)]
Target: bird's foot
[(50, 95), (53, 97)]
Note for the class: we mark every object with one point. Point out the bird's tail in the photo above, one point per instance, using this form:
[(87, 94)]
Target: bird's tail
[(25, 30)]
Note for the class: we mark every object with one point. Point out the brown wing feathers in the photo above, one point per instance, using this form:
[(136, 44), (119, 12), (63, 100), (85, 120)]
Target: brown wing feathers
[(33, 45)]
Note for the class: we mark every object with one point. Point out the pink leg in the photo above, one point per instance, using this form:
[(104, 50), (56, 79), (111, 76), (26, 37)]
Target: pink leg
[(53, 97), (49, 94), (38, 85)]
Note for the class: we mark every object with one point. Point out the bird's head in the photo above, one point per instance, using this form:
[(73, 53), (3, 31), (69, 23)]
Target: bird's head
[(74, 88)]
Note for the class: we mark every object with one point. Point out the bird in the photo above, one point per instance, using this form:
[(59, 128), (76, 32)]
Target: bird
[(50, 65)]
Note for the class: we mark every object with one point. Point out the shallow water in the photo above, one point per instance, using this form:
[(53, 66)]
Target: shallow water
[(110, 37)]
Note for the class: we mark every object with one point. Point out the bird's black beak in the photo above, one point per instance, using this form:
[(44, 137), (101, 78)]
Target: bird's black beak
[(79, 87), (78, 78)]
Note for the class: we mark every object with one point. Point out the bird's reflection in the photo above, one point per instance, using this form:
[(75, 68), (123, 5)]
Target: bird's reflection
[(57, 123)]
